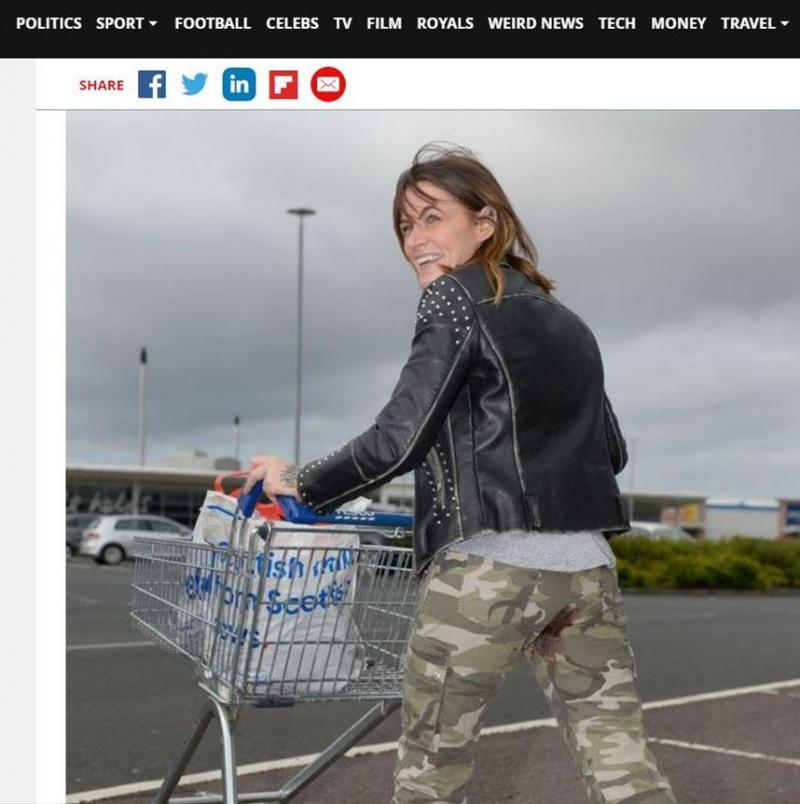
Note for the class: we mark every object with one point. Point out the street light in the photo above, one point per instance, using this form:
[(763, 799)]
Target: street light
[(142, 404), (301, 213), (136, 490)]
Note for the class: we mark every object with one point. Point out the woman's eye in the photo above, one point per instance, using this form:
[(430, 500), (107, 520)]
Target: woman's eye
[(431, 217)]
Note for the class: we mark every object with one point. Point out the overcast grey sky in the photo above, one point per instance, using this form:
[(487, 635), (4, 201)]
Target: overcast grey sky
[(674, 235)]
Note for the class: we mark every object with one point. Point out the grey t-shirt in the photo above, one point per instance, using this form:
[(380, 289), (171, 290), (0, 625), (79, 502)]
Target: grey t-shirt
[(564, 551)]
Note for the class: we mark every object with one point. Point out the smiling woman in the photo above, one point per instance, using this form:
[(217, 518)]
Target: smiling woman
[(450, 203), (501, 412), (438, 232)]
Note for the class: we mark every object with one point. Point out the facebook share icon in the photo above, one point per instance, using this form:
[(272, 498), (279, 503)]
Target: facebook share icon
[(152, 83)]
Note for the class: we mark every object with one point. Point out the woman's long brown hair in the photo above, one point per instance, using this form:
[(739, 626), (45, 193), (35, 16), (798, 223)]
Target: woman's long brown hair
[(459, 172)]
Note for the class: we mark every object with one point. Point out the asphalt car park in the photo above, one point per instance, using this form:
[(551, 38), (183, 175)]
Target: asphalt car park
[(711, 672), (730, 749)]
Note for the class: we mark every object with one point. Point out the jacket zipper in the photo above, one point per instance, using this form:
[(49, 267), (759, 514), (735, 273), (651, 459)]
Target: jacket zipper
[(435, 462), (439, 475), (454, 469), (610, 420)]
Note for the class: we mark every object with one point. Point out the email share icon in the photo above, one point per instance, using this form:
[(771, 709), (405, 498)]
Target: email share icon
[(327, 83)]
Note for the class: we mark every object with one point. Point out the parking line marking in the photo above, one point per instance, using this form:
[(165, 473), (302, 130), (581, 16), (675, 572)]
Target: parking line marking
[(657, 618), (713, 696), (94, 567), (111, 645), (783, 694), (90, 600), (718, 750), (377, 748)]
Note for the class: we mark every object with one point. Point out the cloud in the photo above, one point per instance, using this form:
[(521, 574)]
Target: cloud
[(673, 234)]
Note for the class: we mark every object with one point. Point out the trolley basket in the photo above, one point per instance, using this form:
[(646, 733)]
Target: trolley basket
[(278, 615)]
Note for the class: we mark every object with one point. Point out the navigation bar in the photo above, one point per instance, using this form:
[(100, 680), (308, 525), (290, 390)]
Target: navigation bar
[(562, 35)]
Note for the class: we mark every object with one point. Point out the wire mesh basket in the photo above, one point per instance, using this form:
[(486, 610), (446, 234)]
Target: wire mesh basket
[(306, 609), (290, 621)]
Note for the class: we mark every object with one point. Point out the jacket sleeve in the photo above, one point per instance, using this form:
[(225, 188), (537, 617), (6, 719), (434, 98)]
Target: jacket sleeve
[(617, 447), (406, 427)]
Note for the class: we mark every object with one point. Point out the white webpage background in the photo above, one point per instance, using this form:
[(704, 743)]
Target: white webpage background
[(17, 491)]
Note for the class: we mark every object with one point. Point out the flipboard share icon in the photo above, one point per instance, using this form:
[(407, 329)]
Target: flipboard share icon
[(283, 84)]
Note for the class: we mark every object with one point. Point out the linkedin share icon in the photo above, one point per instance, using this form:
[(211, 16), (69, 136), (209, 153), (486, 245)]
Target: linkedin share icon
[(239, 84)]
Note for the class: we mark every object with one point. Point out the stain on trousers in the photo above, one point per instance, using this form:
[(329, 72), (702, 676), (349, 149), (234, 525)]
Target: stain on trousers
[(474, 618)]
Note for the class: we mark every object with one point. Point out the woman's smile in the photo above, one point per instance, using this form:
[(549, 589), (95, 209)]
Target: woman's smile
[(439, 232)]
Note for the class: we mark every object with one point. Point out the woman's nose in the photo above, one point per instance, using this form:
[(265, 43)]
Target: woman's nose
[(415, 237)]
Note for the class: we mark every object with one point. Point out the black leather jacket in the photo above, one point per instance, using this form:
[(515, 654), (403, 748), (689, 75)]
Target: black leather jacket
[(501, 412)]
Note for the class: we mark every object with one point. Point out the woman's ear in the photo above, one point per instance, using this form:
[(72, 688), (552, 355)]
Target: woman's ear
[(487, 222)]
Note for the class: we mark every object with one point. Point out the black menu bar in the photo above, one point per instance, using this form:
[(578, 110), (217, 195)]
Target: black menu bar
[(757, 32)]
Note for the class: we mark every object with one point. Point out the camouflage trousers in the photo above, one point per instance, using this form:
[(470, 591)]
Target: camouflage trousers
[(474, 618)]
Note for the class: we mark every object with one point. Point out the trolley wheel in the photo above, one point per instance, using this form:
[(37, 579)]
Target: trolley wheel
[(112, 554)]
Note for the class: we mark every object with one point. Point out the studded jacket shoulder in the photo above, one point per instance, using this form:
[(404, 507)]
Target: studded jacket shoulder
[(501, 413)]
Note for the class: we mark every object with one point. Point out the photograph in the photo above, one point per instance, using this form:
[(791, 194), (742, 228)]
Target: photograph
[(362, 405)]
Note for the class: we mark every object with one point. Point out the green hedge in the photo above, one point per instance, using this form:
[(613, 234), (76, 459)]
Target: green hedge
[(735, 563)]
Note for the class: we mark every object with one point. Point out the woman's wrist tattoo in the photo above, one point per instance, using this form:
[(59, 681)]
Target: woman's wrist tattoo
[(289, 475)]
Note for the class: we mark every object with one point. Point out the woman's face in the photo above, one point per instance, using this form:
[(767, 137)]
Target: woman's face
[(439, 232)]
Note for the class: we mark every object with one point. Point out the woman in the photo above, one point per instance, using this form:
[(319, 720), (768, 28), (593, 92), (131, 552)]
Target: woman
[(501, 411)]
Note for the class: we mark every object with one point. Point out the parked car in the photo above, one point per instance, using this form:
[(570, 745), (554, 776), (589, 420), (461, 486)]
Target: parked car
[(657, 530), (76, 525), (110, 539)]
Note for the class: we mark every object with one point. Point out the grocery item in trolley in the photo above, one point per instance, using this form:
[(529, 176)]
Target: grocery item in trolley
[(297, 592)]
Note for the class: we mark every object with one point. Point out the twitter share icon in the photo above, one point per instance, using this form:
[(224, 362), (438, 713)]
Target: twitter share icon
[(192, 86)]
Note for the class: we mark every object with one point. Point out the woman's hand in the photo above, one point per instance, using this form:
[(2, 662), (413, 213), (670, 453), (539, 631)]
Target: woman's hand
[(278, 475)]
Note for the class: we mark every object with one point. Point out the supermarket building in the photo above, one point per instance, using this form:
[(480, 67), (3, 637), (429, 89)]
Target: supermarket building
[(178, 492)]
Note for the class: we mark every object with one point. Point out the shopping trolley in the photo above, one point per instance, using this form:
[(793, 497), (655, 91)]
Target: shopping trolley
[(211, 605)]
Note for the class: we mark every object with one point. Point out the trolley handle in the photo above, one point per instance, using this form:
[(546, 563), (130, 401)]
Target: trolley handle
[(247, 502), (300, 514)]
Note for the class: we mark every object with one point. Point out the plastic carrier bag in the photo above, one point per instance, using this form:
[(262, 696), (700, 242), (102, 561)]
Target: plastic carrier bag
[(298, 634)]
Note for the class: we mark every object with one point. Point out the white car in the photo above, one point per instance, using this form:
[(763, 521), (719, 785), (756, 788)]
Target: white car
[(657, 530), (110, 539)]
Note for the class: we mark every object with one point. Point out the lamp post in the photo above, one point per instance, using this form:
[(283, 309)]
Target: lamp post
[(301, 213), (142, 403), (136, 490)]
